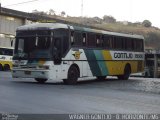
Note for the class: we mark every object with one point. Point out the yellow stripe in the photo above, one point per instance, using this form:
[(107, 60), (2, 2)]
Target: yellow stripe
[(106, 54), (117, 67)]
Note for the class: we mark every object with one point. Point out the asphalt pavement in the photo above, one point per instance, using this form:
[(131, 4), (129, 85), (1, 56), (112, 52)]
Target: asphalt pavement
[(137, 95)]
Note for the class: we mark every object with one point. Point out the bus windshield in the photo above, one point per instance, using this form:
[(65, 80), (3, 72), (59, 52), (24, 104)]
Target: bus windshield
[(33, 44)]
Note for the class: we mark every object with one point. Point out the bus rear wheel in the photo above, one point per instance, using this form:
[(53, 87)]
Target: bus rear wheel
[(41, 80), (6, 67), (127, 72), (1, 67), (73, 75)]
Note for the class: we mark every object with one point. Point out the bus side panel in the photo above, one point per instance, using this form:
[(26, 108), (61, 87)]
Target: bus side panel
[(96, 62), (117, 66), (75, 57)]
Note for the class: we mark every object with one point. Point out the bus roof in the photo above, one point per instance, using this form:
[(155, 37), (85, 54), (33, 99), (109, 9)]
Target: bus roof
[(51, 26), (42, 26)]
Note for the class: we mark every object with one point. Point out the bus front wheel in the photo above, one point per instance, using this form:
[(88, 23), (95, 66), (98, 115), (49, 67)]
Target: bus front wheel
[(127, 72), (73, 75), (41, 80)]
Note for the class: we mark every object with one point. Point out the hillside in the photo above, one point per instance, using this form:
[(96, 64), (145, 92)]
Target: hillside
[(150, 33)]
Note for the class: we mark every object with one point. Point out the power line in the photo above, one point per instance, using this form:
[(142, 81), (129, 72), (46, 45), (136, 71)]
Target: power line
[(21, 3)]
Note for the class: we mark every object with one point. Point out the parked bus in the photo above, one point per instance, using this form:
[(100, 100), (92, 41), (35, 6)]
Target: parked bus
[(60, 51), (6, 54)]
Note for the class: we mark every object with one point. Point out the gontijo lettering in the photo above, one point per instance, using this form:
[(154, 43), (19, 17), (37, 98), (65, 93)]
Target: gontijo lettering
[(123, 55)]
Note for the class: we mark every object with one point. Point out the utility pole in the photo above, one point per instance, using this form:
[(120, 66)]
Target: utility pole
[(0, 6), (82, 8)]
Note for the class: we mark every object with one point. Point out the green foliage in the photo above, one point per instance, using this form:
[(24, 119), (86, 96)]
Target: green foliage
[(63, 13), (109, 19), (146, 23)]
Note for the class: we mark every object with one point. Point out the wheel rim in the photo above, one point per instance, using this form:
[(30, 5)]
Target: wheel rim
[(73, 74)]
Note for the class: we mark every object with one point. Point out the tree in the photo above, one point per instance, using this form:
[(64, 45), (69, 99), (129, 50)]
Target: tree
[(39, 12), (63, 13), (109, 19), (97, 20), (146, 23), (51, 12)]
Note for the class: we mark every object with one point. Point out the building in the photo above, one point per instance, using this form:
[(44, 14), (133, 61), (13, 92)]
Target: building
[(11, 19), (152, 63)]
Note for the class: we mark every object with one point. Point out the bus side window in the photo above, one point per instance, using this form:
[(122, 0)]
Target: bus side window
[(118, 43), (84, 39), (111, 42), (72, 37), (106, 42), (128, 44), (98, 41), (91, 40), (77, 38)]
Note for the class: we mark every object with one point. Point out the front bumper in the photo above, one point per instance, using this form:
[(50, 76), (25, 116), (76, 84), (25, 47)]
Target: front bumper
[(26, 73)]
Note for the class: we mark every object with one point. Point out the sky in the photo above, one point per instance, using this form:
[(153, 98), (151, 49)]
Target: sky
[(121, 10)]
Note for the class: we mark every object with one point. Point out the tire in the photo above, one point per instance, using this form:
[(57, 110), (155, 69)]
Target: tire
[(1, 67), (41, 80), (6, 67), (73, 75), (101, 77), (127, 72)]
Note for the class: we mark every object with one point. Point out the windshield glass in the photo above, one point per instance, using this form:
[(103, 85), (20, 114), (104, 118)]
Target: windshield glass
[(33, 44)]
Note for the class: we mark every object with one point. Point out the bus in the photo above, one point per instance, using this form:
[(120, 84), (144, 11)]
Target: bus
[(6, 54), (61, 51)]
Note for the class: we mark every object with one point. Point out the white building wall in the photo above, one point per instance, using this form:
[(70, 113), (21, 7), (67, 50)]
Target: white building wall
[(8, 26)]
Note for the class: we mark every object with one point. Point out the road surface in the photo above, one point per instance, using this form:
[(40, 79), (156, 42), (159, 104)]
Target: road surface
[(137, 95)]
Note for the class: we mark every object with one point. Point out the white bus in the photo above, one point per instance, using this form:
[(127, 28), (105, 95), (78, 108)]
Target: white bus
[(59, 51), (6, 54)]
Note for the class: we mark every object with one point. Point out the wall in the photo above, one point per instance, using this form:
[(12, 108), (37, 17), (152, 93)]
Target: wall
[(8, 27)]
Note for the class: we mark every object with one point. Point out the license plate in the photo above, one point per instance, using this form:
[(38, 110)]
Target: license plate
[(27, 72)]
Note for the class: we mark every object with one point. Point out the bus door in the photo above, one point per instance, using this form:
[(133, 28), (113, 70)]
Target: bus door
[(57, 51)]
